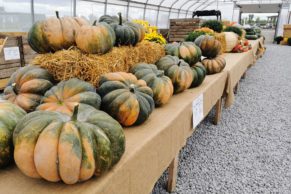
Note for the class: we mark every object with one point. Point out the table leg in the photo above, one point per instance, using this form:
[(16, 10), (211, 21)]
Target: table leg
[(173, 168), (236, 88), (217, 111)]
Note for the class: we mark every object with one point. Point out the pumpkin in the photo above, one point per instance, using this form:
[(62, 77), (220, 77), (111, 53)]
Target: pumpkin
[(209, 46), (215, 65), (111, 19), (231, 40), (125, 98), (96, 39), (199, 73), (187, 51), (178, 71), (67, 94), (10, 114), (127, 33), (160, 84), (54, 33), (27, 85), (55, 146)]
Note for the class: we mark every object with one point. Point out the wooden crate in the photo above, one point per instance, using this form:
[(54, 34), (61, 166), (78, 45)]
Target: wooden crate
[(180, 28), (287, 31)]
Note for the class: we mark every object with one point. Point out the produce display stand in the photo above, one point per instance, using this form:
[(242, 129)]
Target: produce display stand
[(150, 148), (236, 67)]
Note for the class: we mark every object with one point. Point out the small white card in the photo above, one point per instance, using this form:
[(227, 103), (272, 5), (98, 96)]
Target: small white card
[(197, 108), (11, 53)]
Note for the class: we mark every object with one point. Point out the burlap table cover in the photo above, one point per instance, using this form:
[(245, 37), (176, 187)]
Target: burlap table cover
[(150, 148)]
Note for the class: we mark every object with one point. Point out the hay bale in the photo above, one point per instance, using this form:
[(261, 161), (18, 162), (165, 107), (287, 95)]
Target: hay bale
[(221, 38), (66, 64)]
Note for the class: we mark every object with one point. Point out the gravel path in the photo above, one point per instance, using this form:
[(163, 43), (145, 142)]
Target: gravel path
[(250, 150)]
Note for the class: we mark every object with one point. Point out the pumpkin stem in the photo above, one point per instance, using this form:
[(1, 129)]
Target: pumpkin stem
[(160, 73), (120, 18), (57, 14), (14, 88), (94, 23), (75, 113), (131, 88), (179, 63)]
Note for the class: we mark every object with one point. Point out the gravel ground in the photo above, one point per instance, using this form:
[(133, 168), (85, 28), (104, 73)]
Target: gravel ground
[(250, 150)]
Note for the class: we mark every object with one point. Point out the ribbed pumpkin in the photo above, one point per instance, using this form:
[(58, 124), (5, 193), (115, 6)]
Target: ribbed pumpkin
[(160, 84), (10, 114), (27, 85), (54, 146), (54, 33), (127, 33), (67, 94), (187, 51), (110, 19), (199, 73), (231, 40), (125, 98), (209, 46), (178, 71), (215, 65), (96, 39)]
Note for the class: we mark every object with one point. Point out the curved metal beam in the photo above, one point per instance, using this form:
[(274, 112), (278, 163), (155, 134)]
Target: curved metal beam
[(159, 8)]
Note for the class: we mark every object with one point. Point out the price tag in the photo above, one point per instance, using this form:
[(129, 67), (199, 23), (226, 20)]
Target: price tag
[(11, 53), (197, 108)]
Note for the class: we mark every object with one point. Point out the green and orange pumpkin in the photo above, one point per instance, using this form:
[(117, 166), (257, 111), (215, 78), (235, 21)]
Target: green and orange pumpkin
[(54, 33), (215, 65), (67, 94), (187, 51), (199, 73), (124, 97), (57, 147), (209, 46), (10, 115), (27, 85), (160, 84), (178, 71), (96, 39)]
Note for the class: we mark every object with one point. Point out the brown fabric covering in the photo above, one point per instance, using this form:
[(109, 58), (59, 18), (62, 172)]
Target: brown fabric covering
[(66, 64)]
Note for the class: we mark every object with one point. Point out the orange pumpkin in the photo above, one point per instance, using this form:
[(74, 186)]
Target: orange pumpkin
[(125, 98), (27, 86), (54, 33), (96, 39), (67, 94), (215, 65)]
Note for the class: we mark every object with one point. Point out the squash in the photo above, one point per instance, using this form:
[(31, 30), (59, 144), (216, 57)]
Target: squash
[(187, 51), (27, 85), (125, 98), (178, 71), (160, 84), (96, 39), (67, 94), (10, 114), (231, 40), (209, 46), (111, 19), (54, 33), (55, 146), (215, 65), (199, 73)]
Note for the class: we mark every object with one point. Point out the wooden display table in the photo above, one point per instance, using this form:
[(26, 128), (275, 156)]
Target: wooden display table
[(150, 148)]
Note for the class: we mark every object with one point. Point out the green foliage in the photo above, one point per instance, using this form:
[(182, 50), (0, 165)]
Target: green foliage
[(193, 35), (214, 25), (279, 38), (234, 29), (250, 31), (289, 41)]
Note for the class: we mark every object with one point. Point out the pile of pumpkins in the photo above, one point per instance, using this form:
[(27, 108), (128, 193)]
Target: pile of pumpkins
[(57, 33)]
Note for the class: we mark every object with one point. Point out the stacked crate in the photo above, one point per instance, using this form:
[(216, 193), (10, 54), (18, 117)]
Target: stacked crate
[(180, 28), (287, 31)]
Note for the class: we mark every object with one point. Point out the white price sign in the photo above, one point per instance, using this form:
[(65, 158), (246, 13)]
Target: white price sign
[(11, 53), (197, 108)]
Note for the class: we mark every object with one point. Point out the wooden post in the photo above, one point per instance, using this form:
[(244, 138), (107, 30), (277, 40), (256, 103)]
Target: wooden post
[(217, 111), (20, 45), (173, 168)]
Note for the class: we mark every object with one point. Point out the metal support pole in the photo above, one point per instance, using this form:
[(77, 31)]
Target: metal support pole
[(105, 7), (32, 11), (145, 8), (127, 9), (74, 8)]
